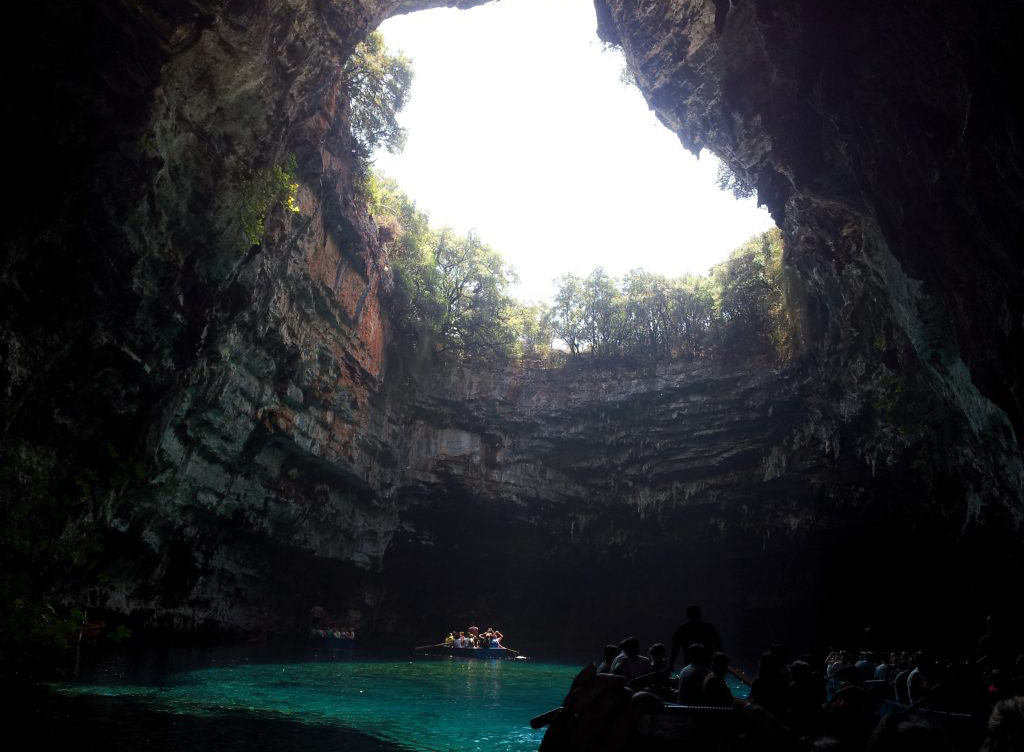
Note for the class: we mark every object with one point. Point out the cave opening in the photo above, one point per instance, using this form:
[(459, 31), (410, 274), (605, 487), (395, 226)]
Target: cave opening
[(548, 153)]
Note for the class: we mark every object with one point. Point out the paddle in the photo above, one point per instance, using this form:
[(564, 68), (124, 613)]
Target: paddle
[(542, 720)]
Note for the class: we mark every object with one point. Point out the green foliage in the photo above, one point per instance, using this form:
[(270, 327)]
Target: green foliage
[(566, 315), (261, 191), (378, 84), (450, 291), (737, 309), (748, 296), (728, 180), (477, 315), (533, 324), (451, 296), (119, 635)]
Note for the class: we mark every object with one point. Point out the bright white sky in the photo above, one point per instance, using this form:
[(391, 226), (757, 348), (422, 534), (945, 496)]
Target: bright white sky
[(520, 129)]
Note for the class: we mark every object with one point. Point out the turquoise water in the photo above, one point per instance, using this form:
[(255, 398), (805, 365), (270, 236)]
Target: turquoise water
[(434, 705)]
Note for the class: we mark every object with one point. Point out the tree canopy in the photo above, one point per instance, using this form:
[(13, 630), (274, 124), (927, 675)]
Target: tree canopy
[(451, 294), (378, 84), (738, 308), (451, 291)]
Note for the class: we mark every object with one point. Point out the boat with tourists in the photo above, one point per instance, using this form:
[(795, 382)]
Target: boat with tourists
[(498, 653), (472, 643)]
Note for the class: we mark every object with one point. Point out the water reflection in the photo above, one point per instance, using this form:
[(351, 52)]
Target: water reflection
[(423, 704), (427, 704)]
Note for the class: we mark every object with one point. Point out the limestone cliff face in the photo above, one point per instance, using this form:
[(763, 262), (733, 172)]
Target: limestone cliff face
[(243, 438), (877, 136), (143, 336)]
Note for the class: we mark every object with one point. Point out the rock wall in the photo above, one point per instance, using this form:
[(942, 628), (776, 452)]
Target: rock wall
[(880, 138), (238, 435)]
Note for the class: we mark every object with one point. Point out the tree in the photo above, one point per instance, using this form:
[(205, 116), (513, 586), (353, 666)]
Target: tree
[(739, 307), (567, 315), (533, 323), (602, 315), (693, 313), (378, 85), (748, 294), (477, 315), (729, 180), (647, 314)]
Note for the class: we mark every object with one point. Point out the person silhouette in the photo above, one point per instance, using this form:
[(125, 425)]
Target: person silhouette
[(695, 631)]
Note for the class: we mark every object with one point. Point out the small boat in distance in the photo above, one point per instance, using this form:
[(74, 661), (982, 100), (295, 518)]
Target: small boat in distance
[(498, 653)]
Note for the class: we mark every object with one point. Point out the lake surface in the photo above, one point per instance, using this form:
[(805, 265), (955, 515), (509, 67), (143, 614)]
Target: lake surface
[(434, 705)]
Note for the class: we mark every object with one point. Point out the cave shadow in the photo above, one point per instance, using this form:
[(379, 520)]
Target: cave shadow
[(44, 719)]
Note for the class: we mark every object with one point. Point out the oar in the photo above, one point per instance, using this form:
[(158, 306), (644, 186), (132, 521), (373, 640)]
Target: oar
[(648, 678), (425, 647), (542, 720), (927, 696)]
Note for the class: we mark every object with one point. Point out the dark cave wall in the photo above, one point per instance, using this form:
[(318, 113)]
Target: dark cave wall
[(240, 438), (585, 506), (882, 138), (191, 404)]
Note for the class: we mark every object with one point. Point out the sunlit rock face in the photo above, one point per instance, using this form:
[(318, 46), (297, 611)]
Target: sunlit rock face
[(242, 437)]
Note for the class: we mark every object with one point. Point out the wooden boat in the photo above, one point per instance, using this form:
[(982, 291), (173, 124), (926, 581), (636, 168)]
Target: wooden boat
[(483, 653)]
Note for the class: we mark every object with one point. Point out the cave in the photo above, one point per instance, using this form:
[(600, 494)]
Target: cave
[(230, 435)]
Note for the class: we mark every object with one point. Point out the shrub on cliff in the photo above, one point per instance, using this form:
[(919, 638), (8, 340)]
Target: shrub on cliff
[(261, 190)]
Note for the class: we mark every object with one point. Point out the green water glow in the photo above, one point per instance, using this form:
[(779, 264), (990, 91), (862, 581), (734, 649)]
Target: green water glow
[(438, 705), (444, 704)]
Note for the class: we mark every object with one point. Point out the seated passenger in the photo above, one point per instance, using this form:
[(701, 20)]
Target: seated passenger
[(1006, 727), (629, 662), (714, 690), (898, 732), (838, 660), (610, 651), (691, 678), (496, 640), (769, 689), (658, 656), (899, 685), (921, 679), (656, 680), (806, 696), (449, 640), (866, 665), (885, 670), (461, 641)]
